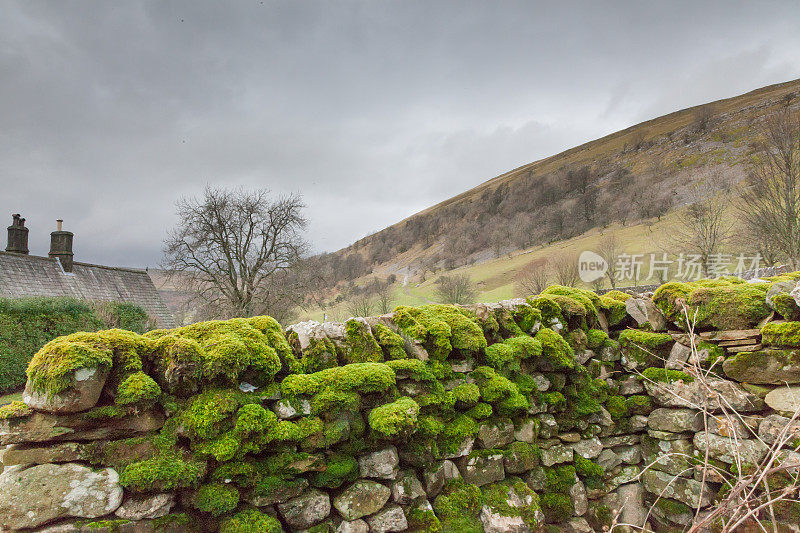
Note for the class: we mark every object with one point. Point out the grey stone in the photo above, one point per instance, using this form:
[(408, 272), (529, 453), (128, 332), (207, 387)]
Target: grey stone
[(495, 434), (668, 435), (644, 311), (630, 385), (693, 493), (383, 464), (526, 431), (638, 422), (630, 454), (777, 288), (630, 498), (392, 518), (588, 448), (678, 356), (362, 498), (557, 454), (773, 425), (693, 394), (536, 479), (82, 394), (141, 506), (518, 463), (306, 510), (542, 383), (670, 456), (494, 522), (353, 526), (628, 474), (576, 525), (570, 437), (436, 477), (608, 459), (675, 420), (785, 400), (727, 449), (482, 469), (288, 409), (61, 452), (407, 488), (620, 440), (602, 417), (30, 497), (768, 367), (580, 504), (464, 449), (548, 427), (285, 492)]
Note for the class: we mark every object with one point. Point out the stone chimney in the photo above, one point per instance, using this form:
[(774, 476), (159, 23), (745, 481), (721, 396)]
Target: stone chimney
[(17, 236), (61, 246)]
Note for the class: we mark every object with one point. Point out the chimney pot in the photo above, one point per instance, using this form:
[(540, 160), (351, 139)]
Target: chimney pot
[(61, 246), (17, 236)]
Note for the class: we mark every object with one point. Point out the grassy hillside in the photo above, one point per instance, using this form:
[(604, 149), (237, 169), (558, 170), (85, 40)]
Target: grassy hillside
[(634, 183)]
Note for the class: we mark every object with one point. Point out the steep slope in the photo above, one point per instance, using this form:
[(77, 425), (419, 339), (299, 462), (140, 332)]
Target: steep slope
[(639, 173)]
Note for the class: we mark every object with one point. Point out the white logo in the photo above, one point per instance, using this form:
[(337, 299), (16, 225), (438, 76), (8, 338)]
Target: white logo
[(591, 266)]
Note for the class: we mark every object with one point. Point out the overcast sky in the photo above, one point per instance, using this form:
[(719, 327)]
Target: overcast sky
[(373, 110)]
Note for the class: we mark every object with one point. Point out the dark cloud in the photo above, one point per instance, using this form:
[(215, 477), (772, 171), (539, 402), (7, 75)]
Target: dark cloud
[(373, 110)]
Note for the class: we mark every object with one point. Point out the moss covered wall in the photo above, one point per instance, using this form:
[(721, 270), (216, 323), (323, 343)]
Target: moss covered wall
[(522, 415)]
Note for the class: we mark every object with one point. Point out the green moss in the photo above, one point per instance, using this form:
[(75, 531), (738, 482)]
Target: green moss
[(786, 306), (330, 402), (52, 368), (422, 519), (673, 507), (441, 328), (508, 354), (455, 432), (361, 346), (663, 375), (391, 343), (781, 334), (361, 377), (613, 308), (523, 451), (557, 354), (458, 499), (216, 498), (136, 388), (251, 521), (412, 369), (639, 404), (555, 400), (548, 307), (392, 419), (587, 300), (617, 295), (724, 303), (339, 469), (596, 339), (318, 355), (644, 347), (480, 411), (14, 409), (616, 407), (467, 394), (496, 497), (166, 472), (559, 478), (557, 508), (527, 317), (499, 391), (108, 525), (590, 472)]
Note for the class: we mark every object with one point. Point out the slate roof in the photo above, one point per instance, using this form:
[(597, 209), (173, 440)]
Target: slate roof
[(30, 275)]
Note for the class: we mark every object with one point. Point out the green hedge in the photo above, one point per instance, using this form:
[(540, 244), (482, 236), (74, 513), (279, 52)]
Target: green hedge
[(27, 324)]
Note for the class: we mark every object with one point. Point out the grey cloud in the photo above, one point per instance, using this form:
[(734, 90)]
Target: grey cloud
[(373, 110)]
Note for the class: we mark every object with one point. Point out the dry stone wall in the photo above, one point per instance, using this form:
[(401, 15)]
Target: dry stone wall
[(566, 411)]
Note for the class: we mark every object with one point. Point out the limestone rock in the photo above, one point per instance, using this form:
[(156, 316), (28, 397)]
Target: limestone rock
[(353, 526), (692, 493), (464, 449), (33, 496), (766, 367), (140, 507), (588, 448), (436, 477), (390, 519), (87, 384), (482, 469), (577, 524), (578, 494), (495, 434), (519, 462), (630, 385), (557, 454), (62, 452), (362, 498), (678, 356), (693, 393), (630, 498), (288, 409), (608, 459), (725, 449), (785, 400), (285, 492), (773, 425), (675, 420), (383, 464), (644, 311), (494, 522), (548, 427), (42, 427), (407, 488), (526, 431), (308, 509)]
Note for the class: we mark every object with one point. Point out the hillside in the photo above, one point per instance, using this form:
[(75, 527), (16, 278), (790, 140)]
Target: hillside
[(634, 181)]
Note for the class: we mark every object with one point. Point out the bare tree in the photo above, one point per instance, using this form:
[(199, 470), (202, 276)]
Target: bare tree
[(532, 278), (456, 289), (235, 248), (703, 229), (610, 249), (385, 299), (772, 195), (361, 304), (565, 269)]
